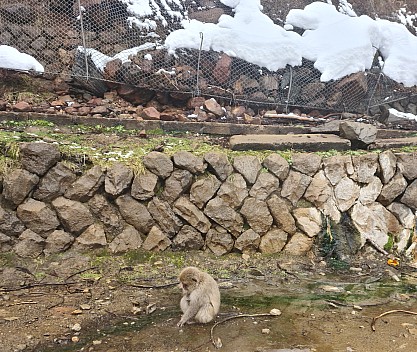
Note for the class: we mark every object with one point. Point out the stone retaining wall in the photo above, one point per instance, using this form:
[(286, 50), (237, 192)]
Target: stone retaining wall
[(208, 203)]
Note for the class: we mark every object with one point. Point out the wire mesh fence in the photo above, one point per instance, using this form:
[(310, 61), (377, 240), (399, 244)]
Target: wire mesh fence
[(102, 43)]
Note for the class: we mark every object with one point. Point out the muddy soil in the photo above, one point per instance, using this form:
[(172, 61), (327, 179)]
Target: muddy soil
[(102, 302)]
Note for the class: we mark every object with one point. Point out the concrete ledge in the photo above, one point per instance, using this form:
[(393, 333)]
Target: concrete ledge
[(304, 142), (395, 143)]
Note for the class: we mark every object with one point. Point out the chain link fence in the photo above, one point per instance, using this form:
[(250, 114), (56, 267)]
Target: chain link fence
[(104, 43)]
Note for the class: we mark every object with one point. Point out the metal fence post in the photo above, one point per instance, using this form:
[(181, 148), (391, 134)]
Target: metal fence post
[(83, 38)]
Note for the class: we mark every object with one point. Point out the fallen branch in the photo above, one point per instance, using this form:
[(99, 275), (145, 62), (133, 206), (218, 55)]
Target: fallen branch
[(390, 312), (6, 289), (217, 343), (154, 286)]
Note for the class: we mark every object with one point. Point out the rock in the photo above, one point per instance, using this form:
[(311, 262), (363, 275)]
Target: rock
[(30, 245), (10, 224), (276, 164), (294, 186), (158, 163), (264, 186), (150, 114), (221, 71), (248, 166), (195, 102), (364, 167), (92, 238), (346, 193), (224, 215), (178, 183), (211, 105), (403, 213), (38, 217), (22, 106), (337, 167), (55, 183), (410, 196), (87, 185), (156, 240), (393, 189), (118, 179), (257, 215), (135, 213), (128, 239), (373, 221), (320, 192), (164, 216), (308, 220), (269, 83), (58, 241), (38, 158), (204, 189), (407, 164), (220, 165), (361, 134), (17, 184), (75, 217), (188, 161), (188, 238), (388, 165), (143, 185), (273, 241), (233, 191), (219, 241), (107, 214), (353, 88), (281, 213), (299, 244), (370, 192), (6, 243), (248, 242), (190, 213), (306, 163)]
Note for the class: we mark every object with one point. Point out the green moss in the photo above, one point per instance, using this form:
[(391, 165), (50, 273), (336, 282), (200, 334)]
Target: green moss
[(390, 243)]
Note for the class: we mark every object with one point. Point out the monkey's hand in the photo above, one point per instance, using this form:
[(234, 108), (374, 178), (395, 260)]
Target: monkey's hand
[(181, 323)]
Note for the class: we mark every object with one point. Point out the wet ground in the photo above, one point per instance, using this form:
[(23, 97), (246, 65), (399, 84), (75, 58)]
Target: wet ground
[(100, 302)]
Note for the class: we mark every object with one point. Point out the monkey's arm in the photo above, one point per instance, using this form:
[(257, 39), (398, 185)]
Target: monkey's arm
[(190, 312)]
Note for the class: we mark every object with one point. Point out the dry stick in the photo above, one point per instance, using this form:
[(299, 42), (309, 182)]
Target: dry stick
[(390, 312), (80, 272), (156, 286), (6, 289), (235, 317)]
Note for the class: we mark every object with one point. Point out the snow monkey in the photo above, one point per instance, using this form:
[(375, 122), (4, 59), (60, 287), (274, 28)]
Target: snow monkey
[(201, 296)]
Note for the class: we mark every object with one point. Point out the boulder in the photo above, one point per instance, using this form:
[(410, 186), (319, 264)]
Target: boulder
[(264, 186), (224, 215), (403, 213), (143, 185), (248, 242), (308, 220), (219, 241), (87, 185), (129, 239), (281, 212), (135, 213), (158, 163), (306, 163), (299, 244), (191, 214), (211, 105), (176, 184), (30, 245), (204, 189), (38, 217), (360, 134), (392, 189), (164, 216), (370, 192), (188, 161), (410, 196), (346, 193), (188, 238), (156, 240), (17, 184), (75, 216), (365, 167), (273, 241), (38, 158), (276, 164), (294, 186), (337, 167), (220, 165), (55, 182), (248, 166), (407, 164), (388, 165), (10, 224), (118, 179), (233, 191), (57, 242), (257, 215), (92, 238)]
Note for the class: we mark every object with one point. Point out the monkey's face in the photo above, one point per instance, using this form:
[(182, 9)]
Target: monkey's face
[(189, 281)]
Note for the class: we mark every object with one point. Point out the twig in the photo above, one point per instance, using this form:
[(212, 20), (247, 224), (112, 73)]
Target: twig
[(390, 312), (6, 289), (154, 286), (80, 272), (23, 302), (235, 317)]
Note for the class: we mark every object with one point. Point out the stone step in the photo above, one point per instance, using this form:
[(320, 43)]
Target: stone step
[(305, 142), (392, 143)]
